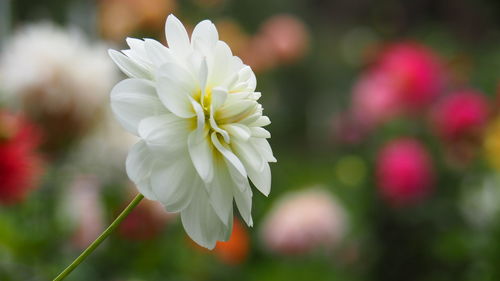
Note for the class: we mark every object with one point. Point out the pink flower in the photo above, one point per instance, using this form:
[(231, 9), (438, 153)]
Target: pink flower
[(83, 210), (404, 172), (304, 220), (375, 99), (20, 165), (405, 79), (460, 115), (415, 70)]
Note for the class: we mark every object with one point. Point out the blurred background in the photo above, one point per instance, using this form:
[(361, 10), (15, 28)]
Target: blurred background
[(385, 127)]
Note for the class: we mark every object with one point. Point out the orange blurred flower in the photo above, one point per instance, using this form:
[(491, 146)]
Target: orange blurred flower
[(235, 250), (120, 18), (282, 39), (287, 36), (233, 34)]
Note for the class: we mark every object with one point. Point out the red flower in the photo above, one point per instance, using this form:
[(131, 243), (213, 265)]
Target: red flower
[(404, 172), (460, 115), (20, 167)]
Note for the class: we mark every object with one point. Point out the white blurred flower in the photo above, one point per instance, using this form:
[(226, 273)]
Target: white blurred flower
[(55, 70), (480, 203), (195, 108), (304, 220), (102, 152)]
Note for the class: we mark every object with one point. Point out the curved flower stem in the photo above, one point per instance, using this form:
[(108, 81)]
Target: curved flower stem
[(101, 238)]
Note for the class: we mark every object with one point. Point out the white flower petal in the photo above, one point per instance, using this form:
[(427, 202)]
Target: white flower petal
[(258, 132), (177, 36), (238, 131), (174, 181), (256, 95), (175, 87), (219, 96), (229, 81), (234, 112), (220, 66), (202, 223), (252, 84), (240, 181), (264, 149), (157, 53), (257, 168), (204, 37), (137, 52), (166, 134), (243, 201), (216, 127), (203, 76), (236, 64), (247, 154), (201, 154), (261, 179), (245, 74), (261, 122), (229, 229), (250, 119), (200, 115), (229, 155), (246, 81), (129, 67), (133, 100), (138, 165), (220, 192)]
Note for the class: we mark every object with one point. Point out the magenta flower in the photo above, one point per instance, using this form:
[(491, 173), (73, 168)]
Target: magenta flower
[(405, 79), (404, 172), (460, 115), (416, 72)]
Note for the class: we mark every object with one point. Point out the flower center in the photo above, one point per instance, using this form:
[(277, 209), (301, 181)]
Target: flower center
[(211, 123), (205, 101)]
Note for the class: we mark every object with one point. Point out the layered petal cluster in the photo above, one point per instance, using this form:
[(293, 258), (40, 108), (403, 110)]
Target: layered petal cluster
[(194, 107)]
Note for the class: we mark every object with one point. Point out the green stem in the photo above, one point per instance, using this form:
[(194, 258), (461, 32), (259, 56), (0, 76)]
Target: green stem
[(101, 238)]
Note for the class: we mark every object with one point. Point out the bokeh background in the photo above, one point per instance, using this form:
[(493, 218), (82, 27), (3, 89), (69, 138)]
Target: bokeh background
[(385, 127)]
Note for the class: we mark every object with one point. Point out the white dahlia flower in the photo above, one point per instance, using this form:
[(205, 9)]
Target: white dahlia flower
[(194, 107)]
